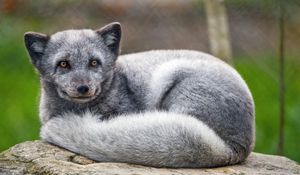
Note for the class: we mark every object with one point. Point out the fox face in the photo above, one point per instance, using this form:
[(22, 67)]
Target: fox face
[(76, 62)]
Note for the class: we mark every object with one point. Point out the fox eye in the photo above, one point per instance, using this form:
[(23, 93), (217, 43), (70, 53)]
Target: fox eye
[(64, 64), (94, 63)]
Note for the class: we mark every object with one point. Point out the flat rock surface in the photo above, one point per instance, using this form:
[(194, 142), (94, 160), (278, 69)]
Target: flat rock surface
[(37, 157)]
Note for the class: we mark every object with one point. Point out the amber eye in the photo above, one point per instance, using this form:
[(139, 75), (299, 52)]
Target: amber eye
[(94, 63), (64, 64)]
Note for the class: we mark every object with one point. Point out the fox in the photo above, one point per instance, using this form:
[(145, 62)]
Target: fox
[(157, 108)]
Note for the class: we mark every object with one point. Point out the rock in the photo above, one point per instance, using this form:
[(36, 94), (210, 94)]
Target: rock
[(37, 157)]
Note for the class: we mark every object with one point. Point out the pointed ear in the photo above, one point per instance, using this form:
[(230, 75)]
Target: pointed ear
[(111, 35), (35, 44)]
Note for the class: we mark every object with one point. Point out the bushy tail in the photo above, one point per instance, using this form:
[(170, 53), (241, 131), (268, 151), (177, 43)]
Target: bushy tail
[(159, 139)]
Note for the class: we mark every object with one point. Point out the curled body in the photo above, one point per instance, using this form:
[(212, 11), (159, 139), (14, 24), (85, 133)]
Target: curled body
[(163, 108)]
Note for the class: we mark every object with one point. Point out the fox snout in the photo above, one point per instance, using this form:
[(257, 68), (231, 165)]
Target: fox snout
[(81, 90), (81, 93), (78, 89)]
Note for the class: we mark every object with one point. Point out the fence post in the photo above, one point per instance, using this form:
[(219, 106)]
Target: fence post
[(218, 32)]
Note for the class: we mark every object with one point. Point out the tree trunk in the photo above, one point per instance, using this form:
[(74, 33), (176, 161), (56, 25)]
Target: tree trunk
[(218, 32)]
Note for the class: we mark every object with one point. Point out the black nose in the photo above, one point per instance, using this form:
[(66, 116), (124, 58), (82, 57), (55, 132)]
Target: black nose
[(83, 89)]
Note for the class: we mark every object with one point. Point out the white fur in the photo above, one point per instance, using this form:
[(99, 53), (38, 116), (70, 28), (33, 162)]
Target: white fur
[(111, 39), (73, 36), (164, 75), (126, 129), (38, 47), (167, 120)]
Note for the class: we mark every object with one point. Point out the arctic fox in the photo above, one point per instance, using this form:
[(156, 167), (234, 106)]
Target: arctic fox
[(164, 108)]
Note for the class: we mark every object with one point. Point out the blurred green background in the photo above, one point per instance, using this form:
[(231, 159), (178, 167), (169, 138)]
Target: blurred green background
[(166, 24)]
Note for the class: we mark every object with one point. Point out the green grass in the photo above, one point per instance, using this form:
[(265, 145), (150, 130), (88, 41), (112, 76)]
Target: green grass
[(19, 88), (261, 76)]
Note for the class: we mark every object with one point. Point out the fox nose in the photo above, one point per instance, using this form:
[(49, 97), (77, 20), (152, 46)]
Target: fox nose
[(83, 89)]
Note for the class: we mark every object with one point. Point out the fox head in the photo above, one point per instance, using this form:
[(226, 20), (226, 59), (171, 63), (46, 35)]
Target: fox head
[(75, 62)]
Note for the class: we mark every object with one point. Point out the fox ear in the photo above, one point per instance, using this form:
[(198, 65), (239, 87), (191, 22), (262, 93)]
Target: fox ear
[(111, 35), (35, 44)]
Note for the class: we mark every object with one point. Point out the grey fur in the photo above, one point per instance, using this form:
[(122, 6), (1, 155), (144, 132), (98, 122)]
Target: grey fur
[(165, 108)]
